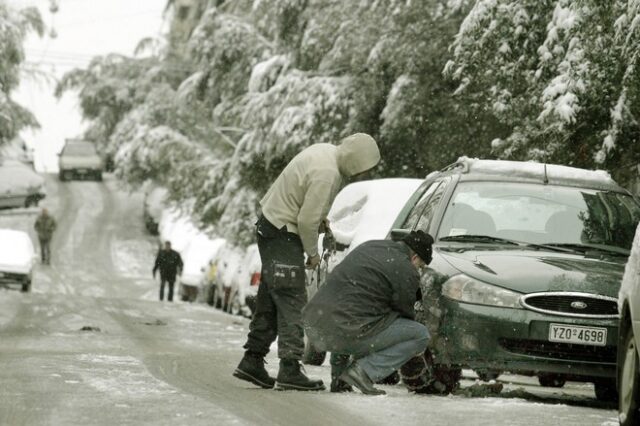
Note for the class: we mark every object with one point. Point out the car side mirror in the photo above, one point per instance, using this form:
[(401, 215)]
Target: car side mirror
[(399, 234)]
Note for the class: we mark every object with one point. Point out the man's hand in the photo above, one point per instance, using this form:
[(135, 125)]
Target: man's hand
[(154, 274), (313, 261), (324, 227)]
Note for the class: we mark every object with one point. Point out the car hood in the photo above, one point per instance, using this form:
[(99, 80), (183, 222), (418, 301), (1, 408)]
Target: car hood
[(534, 271)]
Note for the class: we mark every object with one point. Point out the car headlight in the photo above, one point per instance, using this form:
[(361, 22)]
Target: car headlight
[(466, 289)]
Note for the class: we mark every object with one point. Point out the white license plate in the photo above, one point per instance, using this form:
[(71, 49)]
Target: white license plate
[(596, 336)]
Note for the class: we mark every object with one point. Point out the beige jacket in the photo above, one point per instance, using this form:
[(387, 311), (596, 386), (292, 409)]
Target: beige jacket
[(301, 196)]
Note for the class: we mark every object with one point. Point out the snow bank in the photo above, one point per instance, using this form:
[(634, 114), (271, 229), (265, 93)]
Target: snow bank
[(16, 250)]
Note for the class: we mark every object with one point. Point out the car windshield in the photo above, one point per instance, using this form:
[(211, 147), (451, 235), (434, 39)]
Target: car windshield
[(79, 149), (542, 214)]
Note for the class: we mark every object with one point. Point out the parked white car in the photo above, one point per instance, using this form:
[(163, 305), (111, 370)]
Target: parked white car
[(20, 185), (17, 258), (79, 159), (629, 339), (229, 275), (362, 211), (196, 259)]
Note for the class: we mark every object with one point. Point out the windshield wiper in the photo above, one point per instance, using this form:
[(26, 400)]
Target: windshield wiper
[(466, 238), (584, 248)]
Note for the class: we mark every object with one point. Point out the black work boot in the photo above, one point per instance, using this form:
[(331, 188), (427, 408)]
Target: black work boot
[(251, 369), (356, 376), (291, 377)]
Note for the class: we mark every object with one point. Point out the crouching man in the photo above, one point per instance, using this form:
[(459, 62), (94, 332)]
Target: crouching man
[(366, 310)]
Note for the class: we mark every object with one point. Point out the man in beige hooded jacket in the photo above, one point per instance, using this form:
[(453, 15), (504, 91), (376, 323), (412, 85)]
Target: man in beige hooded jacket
[(293, 211)]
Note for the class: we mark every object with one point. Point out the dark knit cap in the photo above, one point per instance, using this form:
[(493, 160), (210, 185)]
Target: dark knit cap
[(421, 243)]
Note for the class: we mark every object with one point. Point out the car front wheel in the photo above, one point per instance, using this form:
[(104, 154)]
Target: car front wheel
[(606, 390), (26, 286), (629, 382)]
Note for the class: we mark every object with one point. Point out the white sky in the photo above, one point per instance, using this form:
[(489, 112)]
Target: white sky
[(85, 28)]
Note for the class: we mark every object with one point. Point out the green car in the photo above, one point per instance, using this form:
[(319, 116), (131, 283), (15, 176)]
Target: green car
[(527, 266)]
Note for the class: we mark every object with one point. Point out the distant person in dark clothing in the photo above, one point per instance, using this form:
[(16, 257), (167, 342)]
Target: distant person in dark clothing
[(44, 226), (366, 310), (169, 262)]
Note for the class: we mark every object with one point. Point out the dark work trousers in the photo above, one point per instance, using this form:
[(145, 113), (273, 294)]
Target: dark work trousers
[(45, 250), (167, 280), (281, 294)]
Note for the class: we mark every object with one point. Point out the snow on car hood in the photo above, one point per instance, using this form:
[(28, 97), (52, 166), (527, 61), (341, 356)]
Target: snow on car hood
[(534, 271), (365, 211)]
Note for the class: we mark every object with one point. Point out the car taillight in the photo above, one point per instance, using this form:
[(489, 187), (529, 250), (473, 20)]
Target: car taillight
[(255, 279)]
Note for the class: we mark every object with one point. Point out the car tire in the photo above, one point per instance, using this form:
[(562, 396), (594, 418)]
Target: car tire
[(26, 286), (61, 177), (487, 375), (99, 176), (629, 381), (551, 380), (606, 390), (67, 175), (311, 355)]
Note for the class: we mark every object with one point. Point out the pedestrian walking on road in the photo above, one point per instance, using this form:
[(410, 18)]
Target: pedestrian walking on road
[(169, 263), (45, 226), (293, 210), (365, 311)]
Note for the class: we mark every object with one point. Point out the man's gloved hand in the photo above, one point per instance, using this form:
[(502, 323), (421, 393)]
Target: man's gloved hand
[(324, 226), (153, 273), (313, 261)]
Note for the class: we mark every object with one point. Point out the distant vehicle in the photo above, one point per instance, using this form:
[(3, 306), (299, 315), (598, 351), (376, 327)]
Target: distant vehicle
[(79, 159), (196, 259), (17, 258), (361, 211), (154, 202), (20, 185), (229, 274), (629, 340), (527, 265), (250, 278)]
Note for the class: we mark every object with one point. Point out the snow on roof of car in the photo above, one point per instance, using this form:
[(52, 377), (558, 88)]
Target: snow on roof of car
[(365, 210), (533, 170), (15, 175), (15, 247)]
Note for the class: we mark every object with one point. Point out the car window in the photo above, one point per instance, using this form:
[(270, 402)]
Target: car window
[(79, 149), (541, 214), (416, 212), (430, 208)]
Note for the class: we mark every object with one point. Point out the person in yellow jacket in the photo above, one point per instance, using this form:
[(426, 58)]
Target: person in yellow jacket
[(293, 212)]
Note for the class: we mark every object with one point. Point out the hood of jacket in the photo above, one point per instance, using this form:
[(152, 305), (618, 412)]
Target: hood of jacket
[(357, 153)]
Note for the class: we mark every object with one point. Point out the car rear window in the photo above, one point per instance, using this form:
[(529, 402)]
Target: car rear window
[(79, 149)]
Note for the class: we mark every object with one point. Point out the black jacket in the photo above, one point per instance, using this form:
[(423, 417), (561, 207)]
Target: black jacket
[(168, 262), (375, 284)]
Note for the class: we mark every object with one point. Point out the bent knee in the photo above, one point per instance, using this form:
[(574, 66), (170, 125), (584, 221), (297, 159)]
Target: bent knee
[(422, 335)]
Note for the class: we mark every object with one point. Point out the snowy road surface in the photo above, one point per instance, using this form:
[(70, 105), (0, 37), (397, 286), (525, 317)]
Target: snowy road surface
[(91, 345)]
